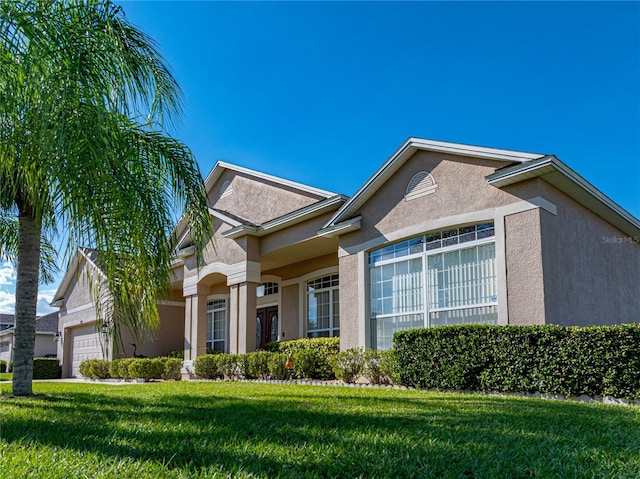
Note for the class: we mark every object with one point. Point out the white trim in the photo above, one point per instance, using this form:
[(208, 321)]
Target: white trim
[(347, 226), (220, 166), (223, 217), (408, 148)]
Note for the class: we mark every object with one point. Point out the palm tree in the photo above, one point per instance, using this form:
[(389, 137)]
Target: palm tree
[(83, 99)]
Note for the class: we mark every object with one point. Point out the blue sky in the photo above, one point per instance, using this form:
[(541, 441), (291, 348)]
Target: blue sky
[(323, 93)]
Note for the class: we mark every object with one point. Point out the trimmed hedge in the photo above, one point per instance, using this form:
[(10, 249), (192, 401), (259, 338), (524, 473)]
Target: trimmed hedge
[(132, 368), (207, 366), (46, 368), (595, 360), (311, 357)]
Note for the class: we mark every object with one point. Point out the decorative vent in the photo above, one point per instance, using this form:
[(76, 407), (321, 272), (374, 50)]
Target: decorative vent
[(226, 189), (421, 184)]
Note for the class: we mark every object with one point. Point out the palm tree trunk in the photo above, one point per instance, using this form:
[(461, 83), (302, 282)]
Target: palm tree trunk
[(26, 301)]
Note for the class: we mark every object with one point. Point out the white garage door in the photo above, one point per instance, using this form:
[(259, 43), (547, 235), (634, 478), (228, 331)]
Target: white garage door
[(85, 344)]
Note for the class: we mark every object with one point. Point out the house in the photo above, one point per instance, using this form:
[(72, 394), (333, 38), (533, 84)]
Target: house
[(442, 233), (46, 328)]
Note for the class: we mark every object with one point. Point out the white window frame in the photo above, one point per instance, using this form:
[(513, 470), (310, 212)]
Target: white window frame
[(213, 306), (424, 255), (333, 289)]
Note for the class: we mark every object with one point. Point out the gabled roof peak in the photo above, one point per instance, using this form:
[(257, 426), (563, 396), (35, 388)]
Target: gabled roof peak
[(406, 150), (221, 166)]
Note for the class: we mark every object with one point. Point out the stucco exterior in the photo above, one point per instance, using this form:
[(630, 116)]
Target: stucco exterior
[(555, 251)]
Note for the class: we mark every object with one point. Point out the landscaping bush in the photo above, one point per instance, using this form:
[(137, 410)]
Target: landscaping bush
[(172, 368), (3, 366), (176, 353), (596, 360), (46, 368), (119, 368), (207, 366), (229, 365), (255, 365), (347, 365), (277, 364), (144, 368), (311, 357), (10, 369), (95, 369), (377, 366)]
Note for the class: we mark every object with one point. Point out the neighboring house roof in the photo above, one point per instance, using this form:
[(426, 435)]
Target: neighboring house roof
[(47, 323), (6, 321), (86, 254), (406, 151)]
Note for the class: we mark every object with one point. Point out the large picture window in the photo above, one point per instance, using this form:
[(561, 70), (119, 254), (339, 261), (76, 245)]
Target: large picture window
[(323, 311), (448, 277), (217, 325)]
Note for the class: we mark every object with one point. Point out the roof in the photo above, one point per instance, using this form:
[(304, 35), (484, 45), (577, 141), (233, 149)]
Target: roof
[(6, 321), (44, 324), (555, 172), (406, 151)]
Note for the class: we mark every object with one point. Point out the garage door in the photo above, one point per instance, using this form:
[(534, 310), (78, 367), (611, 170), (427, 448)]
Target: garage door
[(85, 344)]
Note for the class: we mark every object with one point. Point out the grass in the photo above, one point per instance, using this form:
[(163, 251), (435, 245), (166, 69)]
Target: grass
[(6, 376), (199, 430)]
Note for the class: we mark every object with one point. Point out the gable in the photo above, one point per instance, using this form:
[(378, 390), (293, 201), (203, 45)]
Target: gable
[(428, 186), (410, 147)]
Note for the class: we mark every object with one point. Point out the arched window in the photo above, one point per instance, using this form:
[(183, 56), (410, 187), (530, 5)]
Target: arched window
[(422, 183)]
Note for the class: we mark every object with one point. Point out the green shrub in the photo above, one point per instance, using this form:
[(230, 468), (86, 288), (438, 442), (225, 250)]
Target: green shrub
[(46, 368), (377, 366), (596, 360), (172, 368), (277, 364), (229, 365), (10, 369), (207, 366), (119, 368), (3, 366), (347, 365), (255, 365), (311, 357), (176, 353), (144, 368)]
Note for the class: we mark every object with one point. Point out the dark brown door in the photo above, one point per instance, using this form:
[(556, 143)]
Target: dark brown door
[(266, 326)]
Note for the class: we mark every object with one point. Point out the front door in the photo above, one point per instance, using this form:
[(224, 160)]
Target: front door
[(266, 326)]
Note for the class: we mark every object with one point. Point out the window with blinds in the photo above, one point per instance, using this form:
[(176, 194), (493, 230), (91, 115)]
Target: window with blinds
[(446, 277)]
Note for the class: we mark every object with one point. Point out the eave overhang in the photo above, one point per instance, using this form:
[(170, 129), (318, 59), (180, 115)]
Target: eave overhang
[(556, 173), (347, 226), (288, 220)]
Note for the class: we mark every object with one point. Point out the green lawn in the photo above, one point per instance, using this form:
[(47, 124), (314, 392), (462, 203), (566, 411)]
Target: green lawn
[(6, 376), (159, 430)]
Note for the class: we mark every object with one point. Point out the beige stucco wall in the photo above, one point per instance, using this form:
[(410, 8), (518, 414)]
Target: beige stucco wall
[(350, 291), (290, 312), (525, 286), (170, 336), (78, 294), (257, 200), (304, 267), (591, 269)]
